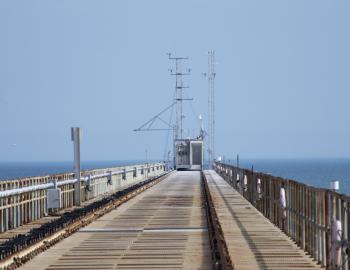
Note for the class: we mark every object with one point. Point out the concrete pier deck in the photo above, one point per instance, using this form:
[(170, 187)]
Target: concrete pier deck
[(162, 228), (253, 242)]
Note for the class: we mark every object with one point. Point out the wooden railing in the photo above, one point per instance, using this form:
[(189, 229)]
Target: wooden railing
[(311, 216)]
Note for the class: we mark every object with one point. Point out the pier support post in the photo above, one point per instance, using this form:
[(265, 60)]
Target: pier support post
[(75, 132)]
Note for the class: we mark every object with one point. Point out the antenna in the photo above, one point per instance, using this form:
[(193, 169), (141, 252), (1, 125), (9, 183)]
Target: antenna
[(211, 107), (177, 128), (179, 86)]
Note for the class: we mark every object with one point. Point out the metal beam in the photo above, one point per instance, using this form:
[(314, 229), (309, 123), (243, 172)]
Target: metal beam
[(148, 125)]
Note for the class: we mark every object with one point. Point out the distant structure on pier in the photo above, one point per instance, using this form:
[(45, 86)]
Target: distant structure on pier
[(210, 139), (187, 152)]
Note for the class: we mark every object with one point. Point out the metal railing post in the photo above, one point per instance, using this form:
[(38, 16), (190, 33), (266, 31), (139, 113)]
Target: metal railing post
[(75, 132)]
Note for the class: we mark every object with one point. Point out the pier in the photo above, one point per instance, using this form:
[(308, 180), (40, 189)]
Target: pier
[(162, 228), (253, 242), (23, 202), (316, 219), (117, 116), (226, 218)]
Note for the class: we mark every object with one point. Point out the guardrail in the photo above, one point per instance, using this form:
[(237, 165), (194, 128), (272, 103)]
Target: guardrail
[(25, 200), (317, 219)]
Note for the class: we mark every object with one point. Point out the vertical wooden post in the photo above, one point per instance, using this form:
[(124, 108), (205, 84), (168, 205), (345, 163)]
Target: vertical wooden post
[(328, 228), (1, 211), (271, 199), (348, 227), (323, 232), (344, 228)]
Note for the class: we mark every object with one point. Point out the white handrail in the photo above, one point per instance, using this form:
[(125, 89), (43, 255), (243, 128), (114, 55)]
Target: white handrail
[(22, 190)]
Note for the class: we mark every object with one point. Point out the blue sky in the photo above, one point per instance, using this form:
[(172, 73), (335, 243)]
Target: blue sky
[(282, 85)]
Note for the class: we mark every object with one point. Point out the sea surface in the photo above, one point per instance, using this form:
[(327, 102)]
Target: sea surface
[(15, 170), (313, 172)]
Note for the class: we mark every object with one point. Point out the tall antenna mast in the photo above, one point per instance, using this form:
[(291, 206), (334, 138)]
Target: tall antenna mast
[(178, 132), (177, 128), (211, 106)]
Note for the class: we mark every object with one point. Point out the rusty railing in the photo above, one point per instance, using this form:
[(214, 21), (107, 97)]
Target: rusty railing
[(317, 219)]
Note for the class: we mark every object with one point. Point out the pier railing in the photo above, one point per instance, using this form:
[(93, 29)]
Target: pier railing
[(317, 219), (25, 200)]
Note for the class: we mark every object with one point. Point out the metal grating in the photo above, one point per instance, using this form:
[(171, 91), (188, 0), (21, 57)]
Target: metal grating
[(253, 241), (162, 228)]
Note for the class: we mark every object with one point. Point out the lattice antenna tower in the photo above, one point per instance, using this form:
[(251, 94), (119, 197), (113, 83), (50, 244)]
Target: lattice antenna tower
[(179, 87), (177, 128), (211, 106)]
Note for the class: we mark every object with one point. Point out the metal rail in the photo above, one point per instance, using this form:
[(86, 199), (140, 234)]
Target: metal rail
[(220, 254), (317, 219), (22, 248), (18, 191), (25, 200)]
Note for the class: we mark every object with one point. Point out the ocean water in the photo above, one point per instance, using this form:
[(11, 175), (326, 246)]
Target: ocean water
[(14, 170), (313, 172)]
